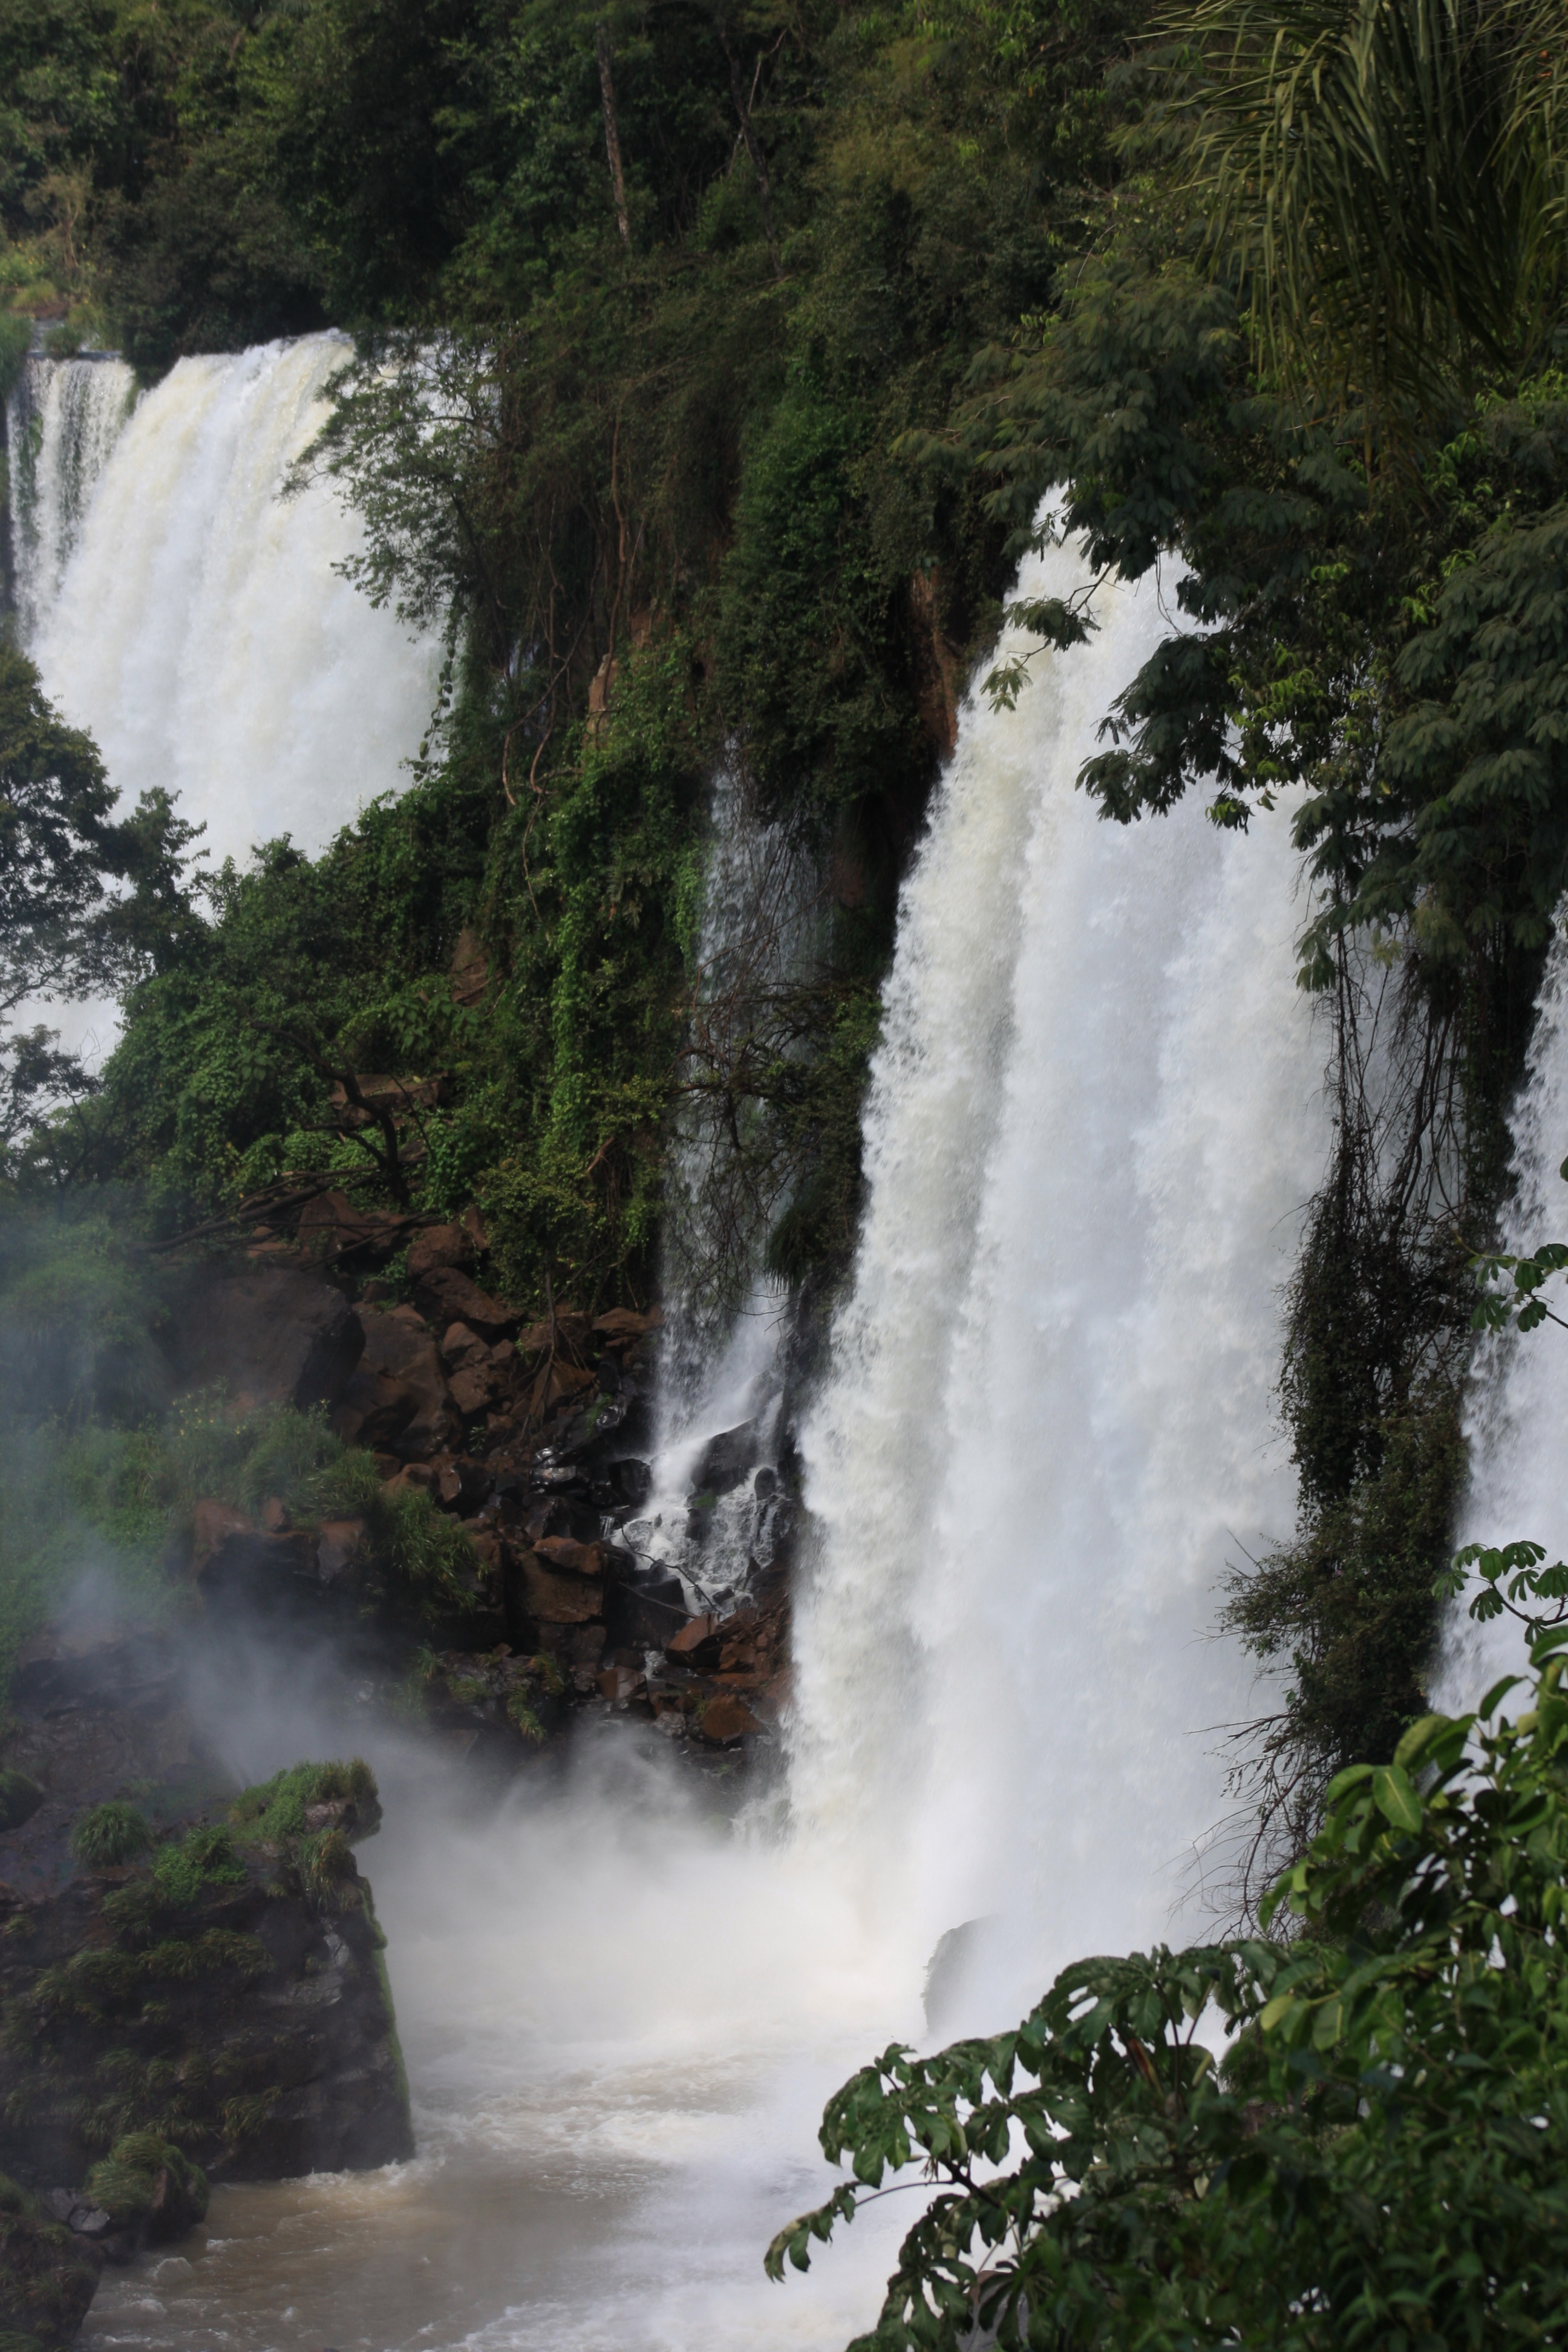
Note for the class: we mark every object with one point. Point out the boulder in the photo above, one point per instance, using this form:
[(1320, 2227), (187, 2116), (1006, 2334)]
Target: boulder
[(724, 1719), (629, 1481), (561, 1515), (691, 1636), (621, 1325), (448, 1296), (460, 1484), (545, 1595), (211, 1523), (398, 1396), (726, 1460), (643, 1604), (49, 2273), (437, 1247), (275, 1335), (340, 1546), (567, 1555), (249, 1976), (330, 1226)]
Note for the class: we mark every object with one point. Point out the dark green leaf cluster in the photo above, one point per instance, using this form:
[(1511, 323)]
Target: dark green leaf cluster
[(1376, 2160)]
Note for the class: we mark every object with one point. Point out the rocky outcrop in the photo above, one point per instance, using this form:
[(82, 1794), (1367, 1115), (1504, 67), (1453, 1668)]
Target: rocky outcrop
[(49, 2273), (95, 1707), (275, 1335), (227, 1993)]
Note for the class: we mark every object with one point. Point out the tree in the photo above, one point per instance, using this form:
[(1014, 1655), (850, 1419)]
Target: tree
[(62, 932), (1377, 2161)]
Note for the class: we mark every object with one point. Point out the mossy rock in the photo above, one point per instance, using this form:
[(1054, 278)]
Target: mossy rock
[(111, 1833), (145, 2184), (19, 1801), (307, 1800), (48, 2278)]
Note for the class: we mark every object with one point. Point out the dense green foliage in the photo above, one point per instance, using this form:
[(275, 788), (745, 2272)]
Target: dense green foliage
[(147, 2183), (711, 369), (1378, 2160), (104, 1462), (657, 474)]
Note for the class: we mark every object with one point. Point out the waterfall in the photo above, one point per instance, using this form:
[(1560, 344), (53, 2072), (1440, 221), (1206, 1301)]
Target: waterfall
[(191, 618), (721, 1370), (64, 418), (1518, 1394), (1094, 1119)]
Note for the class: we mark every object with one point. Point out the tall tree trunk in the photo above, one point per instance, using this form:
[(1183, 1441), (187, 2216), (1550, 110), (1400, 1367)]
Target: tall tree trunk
[(612, 135), (753, 146)]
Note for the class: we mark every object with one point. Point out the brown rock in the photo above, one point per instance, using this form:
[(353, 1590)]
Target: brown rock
[(572, 1558), (619, 1683), (448, 1297), (724, 1719), (276, 1334), (330, 1226), (398, 1396), (472, 1387), (569, 1337), (437, 1247), (211, 1524), (338, 1546), (691, 1636), (460, 1482), (556, 1382), (461, 1346), (550, 1596), (622, 1324)]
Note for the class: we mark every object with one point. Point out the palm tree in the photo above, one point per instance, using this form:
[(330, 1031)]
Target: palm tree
[(1389, 177)]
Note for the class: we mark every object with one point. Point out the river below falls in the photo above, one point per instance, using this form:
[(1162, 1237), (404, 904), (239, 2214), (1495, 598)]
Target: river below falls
[(621, 2020)]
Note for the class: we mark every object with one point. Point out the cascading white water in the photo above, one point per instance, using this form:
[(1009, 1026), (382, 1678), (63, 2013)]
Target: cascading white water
[(1519, 1395), (191, 618), (62, 421), (1094, 1118), (721, 1368)]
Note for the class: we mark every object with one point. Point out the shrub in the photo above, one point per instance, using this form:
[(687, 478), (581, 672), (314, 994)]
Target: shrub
[(111, 1834), (145, 2183)]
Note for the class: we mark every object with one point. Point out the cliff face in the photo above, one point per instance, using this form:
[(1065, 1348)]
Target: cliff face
[(230, 1995)]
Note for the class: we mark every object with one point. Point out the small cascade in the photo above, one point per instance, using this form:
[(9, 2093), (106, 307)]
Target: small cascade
[(1095, 1116), (1518, 1394), (62, 421), (192, 618), (715, 1511)]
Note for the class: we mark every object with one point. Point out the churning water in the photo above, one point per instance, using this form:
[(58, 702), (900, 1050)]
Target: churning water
[(189, 616), (1046, 1428), (1519, 1404)]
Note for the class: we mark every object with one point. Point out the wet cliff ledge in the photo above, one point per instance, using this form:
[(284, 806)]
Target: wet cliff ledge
[(223, 1990)]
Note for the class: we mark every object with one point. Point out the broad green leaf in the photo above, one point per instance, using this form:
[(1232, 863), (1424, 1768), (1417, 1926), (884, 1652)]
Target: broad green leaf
[(1394, 1793)]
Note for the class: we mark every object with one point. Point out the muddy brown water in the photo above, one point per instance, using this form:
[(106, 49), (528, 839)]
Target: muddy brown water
[(619, 2030)]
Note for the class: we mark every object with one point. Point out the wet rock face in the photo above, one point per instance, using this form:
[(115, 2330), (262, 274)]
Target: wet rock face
[(277, 1334), (229, 1994), (95, 1707), (48, 2272)]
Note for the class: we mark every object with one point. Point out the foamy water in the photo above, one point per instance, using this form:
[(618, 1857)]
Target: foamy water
[(1047, 1428)]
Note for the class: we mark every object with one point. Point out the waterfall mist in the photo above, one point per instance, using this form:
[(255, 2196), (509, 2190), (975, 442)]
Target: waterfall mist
[(1046, 1428)]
